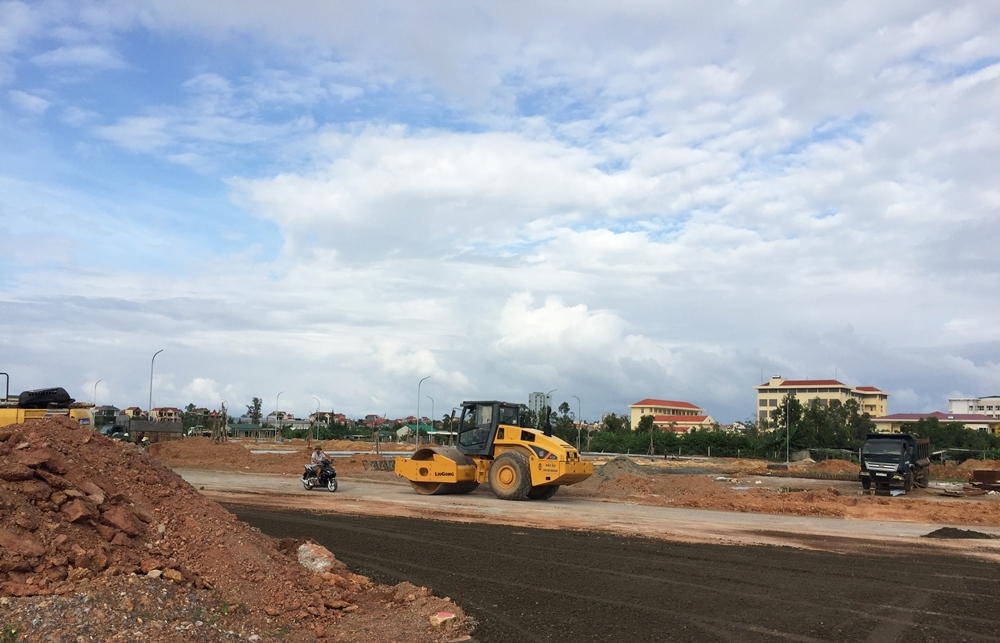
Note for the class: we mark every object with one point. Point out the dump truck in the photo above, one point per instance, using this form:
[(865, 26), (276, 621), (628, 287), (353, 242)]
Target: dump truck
[(491, 446), (41, 403), (895, 460)]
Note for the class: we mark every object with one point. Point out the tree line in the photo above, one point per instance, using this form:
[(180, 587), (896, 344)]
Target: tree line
[(833, 429), (817, 425)]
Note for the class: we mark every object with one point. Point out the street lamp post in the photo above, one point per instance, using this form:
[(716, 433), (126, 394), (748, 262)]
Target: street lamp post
[(579, 423), (432, 413), (149, 411), (418, 408), (313, 423), (95, 392), (277, 424)]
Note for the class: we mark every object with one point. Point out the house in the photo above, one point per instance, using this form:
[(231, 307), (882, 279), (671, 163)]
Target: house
[(670, 415), (770, 394), (134, 413), (988, 406), (894, 423), (166, 414)]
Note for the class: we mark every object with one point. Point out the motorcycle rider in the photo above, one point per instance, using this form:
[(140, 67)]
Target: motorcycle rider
[(317, 460)]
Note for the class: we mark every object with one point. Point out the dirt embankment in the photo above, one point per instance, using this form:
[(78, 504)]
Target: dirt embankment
[(622, 480), (101, 542), (285, 457)]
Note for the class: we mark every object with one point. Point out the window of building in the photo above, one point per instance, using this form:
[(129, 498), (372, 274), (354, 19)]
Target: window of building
[(763, 402), (772, 402)]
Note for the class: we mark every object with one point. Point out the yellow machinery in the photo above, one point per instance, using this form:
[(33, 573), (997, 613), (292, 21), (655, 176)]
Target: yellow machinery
[(41, 403), (518, 463)]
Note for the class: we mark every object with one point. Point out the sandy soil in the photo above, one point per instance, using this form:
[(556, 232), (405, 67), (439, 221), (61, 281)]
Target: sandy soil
[(728, 484)]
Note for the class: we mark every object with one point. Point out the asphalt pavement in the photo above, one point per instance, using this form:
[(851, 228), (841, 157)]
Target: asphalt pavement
[(540, 585)]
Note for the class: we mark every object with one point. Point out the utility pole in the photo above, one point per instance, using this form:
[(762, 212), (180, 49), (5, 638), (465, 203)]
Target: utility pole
[(417, 443), (579, 423)]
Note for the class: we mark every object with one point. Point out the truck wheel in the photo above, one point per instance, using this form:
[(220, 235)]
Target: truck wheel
[(510, 477), (543, 493), (866, 483)]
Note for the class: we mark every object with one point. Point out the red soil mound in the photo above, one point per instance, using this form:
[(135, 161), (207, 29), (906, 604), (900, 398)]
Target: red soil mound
[(837, 466), (79, 511)]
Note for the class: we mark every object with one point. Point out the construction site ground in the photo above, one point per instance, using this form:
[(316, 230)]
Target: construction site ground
[(101, 541), (738, 499), (649, 549)]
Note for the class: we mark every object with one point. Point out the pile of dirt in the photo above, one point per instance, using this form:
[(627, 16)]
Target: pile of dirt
[(952, 532), (971, 465), (80, 514), (620, 466), (837, 466)]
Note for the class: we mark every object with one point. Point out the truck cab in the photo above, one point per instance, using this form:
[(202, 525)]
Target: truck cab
[(897, 460)]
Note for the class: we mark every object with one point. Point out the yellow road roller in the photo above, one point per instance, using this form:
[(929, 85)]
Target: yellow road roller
[(518, 462)]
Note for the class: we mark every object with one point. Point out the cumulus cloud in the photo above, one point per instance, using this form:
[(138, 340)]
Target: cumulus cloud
[(618, 202)]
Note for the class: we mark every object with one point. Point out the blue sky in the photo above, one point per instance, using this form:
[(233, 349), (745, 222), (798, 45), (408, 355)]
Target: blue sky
[(332, 200)]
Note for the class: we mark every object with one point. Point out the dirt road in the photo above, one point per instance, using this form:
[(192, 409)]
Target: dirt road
[(533, 585), (366, 497)]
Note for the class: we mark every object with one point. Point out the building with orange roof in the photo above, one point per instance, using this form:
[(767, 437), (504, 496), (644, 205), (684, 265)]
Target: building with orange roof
[(870, 399), (670, 415)]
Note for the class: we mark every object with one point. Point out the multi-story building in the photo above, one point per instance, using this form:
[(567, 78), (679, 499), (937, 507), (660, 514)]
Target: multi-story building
[(537, 403), (988, 406), (670, 415), (770, 394)]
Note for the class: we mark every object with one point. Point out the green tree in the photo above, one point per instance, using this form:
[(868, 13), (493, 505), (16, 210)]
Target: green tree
[(565, 428), (528, 418), (646, 426), (615, 423), (253, 410)]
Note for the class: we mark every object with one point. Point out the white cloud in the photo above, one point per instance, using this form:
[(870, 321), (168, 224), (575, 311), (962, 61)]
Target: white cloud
[(94, 56), (139, 133), (28, 102), (645, 200)]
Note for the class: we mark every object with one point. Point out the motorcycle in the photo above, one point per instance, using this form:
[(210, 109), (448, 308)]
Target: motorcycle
[(327, 477)]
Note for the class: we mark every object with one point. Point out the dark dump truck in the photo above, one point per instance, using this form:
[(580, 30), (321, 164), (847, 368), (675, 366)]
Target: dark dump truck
[(897, 460)]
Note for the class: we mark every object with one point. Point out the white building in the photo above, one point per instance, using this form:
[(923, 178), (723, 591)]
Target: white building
[(537, 403), (988, 406)]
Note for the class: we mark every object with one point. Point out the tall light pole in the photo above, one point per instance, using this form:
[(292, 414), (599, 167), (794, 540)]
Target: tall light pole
[(432, 411), (149, 411), (418, 408), (313, 423), (95, 392), (579, 424), (278, 424), (788, 432)]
